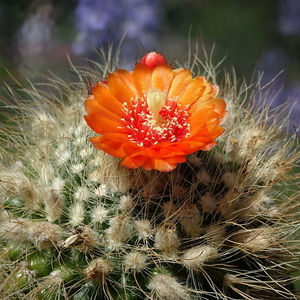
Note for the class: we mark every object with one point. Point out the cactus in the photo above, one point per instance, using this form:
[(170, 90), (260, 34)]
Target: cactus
[(75, 224)]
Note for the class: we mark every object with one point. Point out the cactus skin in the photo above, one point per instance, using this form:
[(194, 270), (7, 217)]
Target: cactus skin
[(77, 225)]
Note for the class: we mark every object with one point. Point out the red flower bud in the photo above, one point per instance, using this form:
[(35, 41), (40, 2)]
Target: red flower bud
[(153, 59)]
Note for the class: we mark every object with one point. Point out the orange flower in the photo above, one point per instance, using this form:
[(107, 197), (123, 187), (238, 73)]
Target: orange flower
[(153, 116)]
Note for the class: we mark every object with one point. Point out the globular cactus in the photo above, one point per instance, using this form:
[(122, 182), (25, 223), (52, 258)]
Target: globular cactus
[(75, 224)]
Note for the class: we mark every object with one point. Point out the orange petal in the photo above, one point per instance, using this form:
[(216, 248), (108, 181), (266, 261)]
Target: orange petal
[(217, 131), (141, 151), (93, 108), (121, 85), (142, 158), (212, 110), (170, 151), (205, 99), (212, 125), (199, 119), (106, 124), (115, 148), (142, 79), (177, 159), (193, 146), (220, 107), (215, 91), (204, 136), (162, 77), (194, 91), (149, 164), (190, 146), (163, 166), (182, 79), (96, 127), (105, 98), (95, 140), (135, 162), (219, 104), (117, 136), (209, 146)]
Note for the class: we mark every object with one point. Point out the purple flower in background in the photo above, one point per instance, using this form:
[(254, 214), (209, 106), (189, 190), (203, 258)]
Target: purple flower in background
[(273, 64), (289, 21), (277, 60), (103, 21)]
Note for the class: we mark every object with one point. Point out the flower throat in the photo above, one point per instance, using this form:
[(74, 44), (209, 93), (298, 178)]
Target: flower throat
[(154, 119)]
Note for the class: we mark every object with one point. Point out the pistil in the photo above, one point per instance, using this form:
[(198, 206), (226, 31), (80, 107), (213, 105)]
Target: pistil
[(156, 99)]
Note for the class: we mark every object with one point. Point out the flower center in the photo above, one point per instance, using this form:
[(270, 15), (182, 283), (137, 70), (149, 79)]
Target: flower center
[(154, 119)]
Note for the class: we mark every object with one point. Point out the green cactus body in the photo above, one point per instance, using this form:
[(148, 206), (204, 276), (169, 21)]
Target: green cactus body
[(77, 225)]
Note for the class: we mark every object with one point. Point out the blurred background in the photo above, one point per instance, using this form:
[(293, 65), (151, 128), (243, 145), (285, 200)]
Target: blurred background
[(37, 35)]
